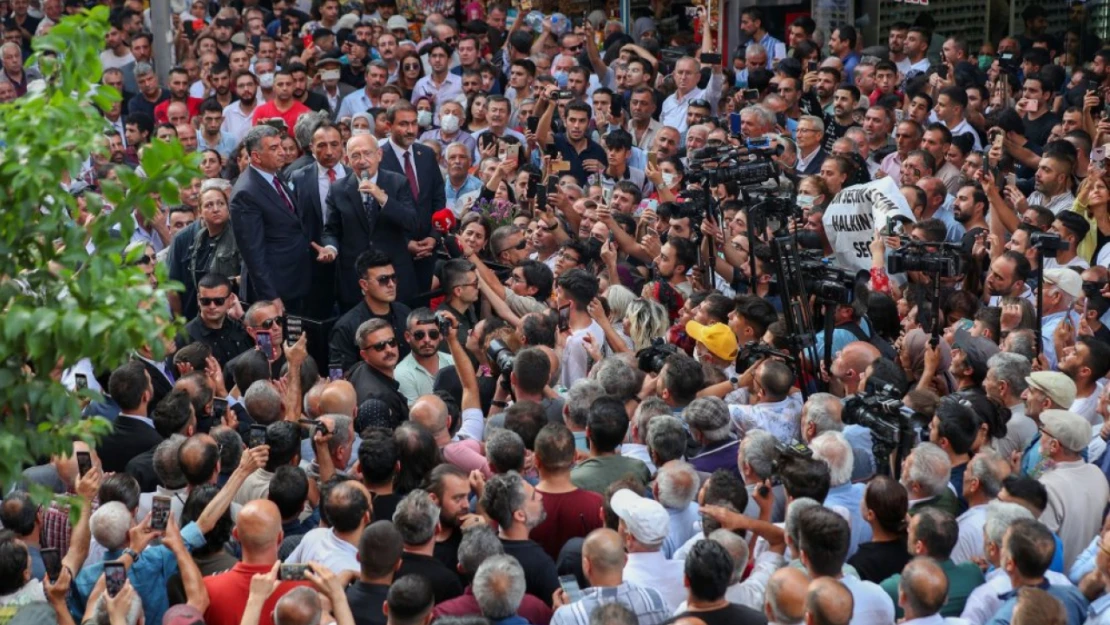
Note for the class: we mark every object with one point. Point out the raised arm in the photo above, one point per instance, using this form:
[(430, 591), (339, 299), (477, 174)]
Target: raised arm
[(543, 131), (87, 488), (252, 460)]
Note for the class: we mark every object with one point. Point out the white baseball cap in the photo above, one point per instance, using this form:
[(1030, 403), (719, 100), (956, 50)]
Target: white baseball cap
[(647, 519)]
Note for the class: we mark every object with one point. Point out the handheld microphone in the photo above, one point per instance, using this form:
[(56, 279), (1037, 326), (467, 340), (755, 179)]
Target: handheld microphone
[(365, 175)]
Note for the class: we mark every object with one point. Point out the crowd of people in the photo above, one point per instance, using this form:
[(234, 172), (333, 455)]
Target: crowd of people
[(460, 347)]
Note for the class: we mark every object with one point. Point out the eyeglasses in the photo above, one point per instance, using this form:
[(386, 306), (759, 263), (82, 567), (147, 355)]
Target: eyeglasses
[(208, 301), (269, 323), (420, 334), (386, 279), (577, 48), (515, 278), (381, 346), (702, 104), (571, 259), (519, 246)]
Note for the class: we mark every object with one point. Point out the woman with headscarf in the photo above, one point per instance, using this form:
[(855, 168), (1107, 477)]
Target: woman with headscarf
[(911, 356), (643, 28)]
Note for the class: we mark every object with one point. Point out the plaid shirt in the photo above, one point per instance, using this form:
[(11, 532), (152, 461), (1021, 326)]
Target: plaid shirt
[(646, 603), (56, 529)]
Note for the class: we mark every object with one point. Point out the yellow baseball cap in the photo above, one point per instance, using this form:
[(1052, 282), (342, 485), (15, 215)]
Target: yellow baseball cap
[(718, 338)]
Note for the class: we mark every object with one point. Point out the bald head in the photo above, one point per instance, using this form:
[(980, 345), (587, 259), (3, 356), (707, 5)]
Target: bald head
[(603, 549), (785, 600), (199, 457), (923, 590), (828, 602), (258, 528), (339, 397), (300, 606), (852, 361), (430, 412), (312, 400)]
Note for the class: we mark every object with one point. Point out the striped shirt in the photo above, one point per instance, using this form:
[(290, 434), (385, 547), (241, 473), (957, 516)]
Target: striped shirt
[(646, 603)]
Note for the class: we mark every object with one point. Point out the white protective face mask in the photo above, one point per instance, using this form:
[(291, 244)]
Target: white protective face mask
[(449, 123), (330, 74), (806, 201), (424, 118), (668, 179), (266, 81)]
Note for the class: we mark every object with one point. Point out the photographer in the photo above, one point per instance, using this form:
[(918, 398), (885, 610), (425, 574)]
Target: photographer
[(774, 407)]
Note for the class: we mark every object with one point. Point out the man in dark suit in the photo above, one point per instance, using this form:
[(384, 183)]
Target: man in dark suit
[(811, 130), (161, 372), (310, 190), (417, 163), (133, 431), (370, 207), (272, 240)]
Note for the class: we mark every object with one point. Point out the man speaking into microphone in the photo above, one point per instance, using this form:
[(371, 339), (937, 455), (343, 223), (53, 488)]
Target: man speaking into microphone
[(371, 207)]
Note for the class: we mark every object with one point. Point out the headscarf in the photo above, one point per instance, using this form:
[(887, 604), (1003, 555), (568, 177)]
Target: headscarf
[(915, 343), (641, 26)]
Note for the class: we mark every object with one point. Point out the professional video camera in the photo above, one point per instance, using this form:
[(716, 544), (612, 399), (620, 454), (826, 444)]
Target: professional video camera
[(1048, 242), (754, 351), (748, 166), (829, 283), (500, 354), (943, 259), (880, 409), (784, 456), (652, 358), (774, 213)]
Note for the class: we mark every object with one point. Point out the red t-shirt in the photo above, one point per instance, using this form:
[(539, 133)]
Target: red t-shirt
[(160, 117), (270, 110), (569, 515), (228, 594)]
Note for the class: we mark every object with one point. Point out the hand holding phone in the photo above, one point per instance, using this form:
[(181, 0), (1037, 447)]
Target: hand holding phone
[(115, 576), (160, 513), (265, 344), (52, 562), (257, 436), (84, 463)]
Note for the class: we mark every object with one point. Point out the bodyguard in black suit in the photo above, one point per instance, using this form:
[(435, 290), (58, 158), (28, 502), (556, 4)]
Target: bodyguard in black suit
[(133, 431), (277, 260), (370, 206), (417, 163), (310, 187)]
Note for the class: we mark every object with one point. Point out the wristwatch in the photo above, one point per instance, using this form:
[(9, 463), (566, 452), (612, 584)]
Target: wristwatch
[(131, 552), (735, 382)]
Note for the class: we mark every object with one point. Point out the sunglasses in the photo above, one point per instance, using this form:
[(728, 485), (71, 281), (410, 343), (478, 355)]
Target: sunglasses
[(420, 334), (577, 48), (519, 246), (410, 68), (381, 346), (386, 279), (269, 323), (208, 301)]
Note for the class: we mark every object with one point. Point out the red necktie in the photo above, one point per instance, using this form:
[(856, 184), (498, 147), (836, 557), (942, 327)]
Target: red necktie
[(331, 176), (284, 198), (410, 173)]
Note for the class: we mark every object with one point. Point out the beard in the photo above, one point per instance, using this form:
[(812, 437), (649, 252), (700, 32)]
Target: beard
[(247, 99)]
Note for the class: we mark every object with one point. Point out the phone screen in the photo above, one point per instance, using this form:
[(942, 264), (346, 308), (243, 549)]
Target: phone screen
[(219, 407), (265, 344), (335, 371), (734, 123), (292, 572), (564, 318), (52, 562), (159, 513), (82, 381), (569, 584), (115, 576), (258, 436), (84, 462), (293, 328)]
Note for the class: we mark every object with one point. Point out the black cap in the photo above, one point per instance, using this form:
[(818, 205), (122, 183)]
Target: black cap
[(329, 58)]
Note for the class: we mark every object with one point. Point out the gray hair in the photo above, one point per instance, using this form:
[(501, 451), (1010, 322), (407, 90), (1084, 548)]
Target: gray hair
[(736, 547), (618, 378), (166, 467), (1000, 516), (647, 410), (342, 434), (758, 451), (619, 297), (834, 450), (263, 402), (479, 543), (140, 69), (219, 184), (581, 395), (678, 485), (981, 467), (813, 119), (416, 517), (755, 49), (503, 496), (306, 127), (1012, 369), (369, 327), (295, 601), (773, 600), (253, 140), (667, 438), (930, 468), (100, 610), (762, 113), (823, 411), (499, 587), (793, 513), (110, 523), (710, 417), (455, 146), (505, 449), (1022, 342)]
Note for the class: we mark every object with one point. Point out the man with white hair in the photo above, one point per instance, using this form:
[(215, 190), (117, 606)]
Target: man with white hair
[(1061, 287), (822, 413), (784, 603), (756, 461), (985, 600), (676, 486), (833, 449), (635, 444), (499, 588), (982, 483), (644, 526), (1005, 383), (925, 477)]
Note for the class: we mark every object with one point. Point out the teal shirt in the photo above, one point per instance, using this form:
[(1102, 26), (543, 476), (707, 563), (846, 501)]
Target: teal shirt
[(962, 579)]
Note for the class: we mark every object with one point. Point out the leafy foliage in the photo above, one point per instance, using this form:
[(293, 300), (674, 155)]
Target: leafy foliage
[(60, 302)]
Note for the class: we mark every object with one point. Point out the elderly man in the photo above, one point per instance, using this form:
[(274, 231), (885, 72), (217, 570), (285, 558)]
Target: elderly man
[(348, 508), (822, 413), (710, 427), (1075, 514), (833, 449), (1005, 384), (676, 486), (1045, 390), (644, 526), (925, 474), (517, 508), (499, 589), (1027, 550), (603, 562), (981, 485)]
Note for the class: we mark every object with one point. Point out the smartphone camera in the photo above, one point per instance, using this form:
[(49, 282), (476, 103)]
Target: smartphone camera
[(292, 572)]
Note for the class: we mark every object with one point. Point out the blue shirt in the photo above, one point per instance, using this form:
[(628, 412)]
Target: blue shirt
[(1097, 612), (849, 496), (149, 574), (1075, 605), (471, 184)]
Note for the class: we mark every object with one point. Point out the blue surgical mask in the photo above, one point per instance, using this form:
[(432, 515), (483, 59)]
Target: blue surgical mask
[(561, 78)]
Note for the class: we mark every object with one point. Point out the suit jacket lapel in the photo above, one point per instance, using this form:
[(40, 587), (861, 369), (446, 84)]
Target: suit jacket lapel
[(275, 199)]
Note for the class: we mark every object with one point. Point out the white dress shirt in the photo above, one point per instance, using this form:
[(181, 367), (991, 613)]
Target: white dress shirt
[(673, 113), (872, 605), (323, 546), (236, 121), (449, 89), (970, 542), (325, 186), (400, 152), (652, 569), (984, 601)]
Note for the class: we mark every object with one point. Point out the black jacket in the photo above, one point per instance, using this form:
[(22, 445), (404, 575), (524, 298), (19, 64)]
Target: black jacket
[(369, 383), (341, 342), (129, 438)]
